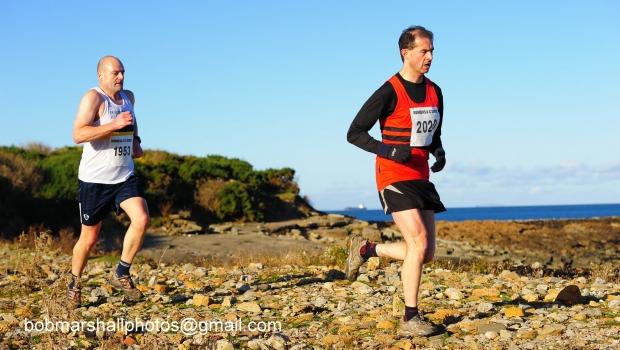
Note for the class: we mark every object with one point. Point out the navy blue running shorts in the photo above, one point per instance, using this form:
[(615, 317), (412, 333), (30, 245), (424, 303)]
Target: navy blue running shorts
[(97, 199), (412, 194)]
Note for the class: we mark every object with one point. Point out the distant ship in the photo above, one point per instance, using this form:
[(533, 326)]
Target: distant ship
[(357, 207)]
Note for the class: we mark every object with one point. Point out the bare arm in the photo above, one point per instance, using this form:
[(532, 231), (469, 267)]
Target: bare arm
[(88, 110)]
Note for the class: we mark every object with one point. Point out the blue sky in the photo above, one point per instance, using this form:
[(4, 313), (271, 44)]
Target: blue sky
[(531, 87)]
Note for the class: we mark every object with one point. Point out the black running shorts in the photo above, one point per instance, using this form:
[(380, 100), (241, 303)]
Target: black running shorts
[(97, 199), (413, 194)]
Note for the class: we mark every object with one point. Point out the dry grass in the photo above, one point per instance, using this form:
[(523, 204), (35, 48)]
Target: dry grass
[(22, 173), (333, 256), (207, 194), (38, 148)]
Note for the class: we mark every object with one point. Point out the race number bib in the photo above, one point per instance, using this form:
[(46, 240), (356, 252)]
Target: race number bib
[(424, 122), (121, 148)]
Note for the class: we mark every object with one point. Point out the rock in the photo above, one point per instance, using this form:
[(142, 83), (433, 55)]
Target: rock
[(453, 294), (486, 293), (363, 278), (192, 285), (161, 288), (580, 317), (256, 344), (484, 307), (129, 340), (526, 333), (441, 314), (391, 234), (398, 306), (4, 327), (373, 263), (513, 312), (361, 288), (331, 339), (551, 295), (319, 301), (569, 295), (402, 344), (372, 234), (243, 287), (277, 341), (385, 325), (199, 272), (558, 316), (200, 300), (481, 280), (490, 327), (509, 275), (263, 287), (224, 344), (505, 335), (552, 329), (490, 335), (249, 307), (228, 301), (542, 288)]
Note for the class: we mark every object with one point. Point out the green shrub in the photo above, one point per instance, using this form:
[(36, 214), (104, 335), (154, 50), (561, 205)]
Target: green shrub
[(211, 188), (60, 173), (214, 167), (236, 201)]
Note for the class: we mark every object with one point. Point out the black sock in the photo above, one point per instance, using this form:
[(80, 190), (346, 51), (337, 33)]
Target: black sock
[(74, 280), (410, 312), (122, 269), (368, 250)]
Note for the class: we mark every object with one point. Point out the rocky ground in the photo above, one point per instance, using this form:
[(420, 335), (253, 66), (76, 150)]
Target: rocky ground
[(502, 294)]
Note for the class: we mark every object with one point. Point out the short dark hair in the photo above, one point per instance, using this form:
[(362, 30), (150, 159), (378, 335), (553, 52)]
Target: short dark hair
[(408, 36)]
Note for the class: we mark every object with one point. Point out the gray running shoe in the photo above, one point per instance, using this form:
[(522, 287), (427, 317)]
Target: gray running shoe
[(74, 297), (417, 326), (354, 259), (125, 284)]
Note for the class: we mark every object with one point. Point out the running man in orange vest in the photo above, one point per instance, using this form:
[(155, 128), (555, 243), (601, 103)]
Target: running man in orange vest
[(409, 108)]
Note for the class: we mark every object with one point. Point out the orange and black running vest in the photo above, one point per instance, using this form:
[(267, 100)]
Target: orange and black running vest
[(398, 129)]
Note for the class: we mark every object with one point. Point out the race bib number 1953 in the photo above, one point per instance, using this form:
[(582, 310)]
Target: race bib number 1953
[(121, 144), (424, 122)]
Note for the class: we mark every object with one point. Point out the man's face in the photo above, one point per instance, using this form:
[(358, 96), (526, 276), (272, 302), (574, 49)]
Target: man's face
[(111, 75), (420, 57)]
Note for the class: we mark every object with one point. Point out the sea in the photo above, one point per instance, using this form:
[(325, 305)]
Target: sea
[(538, 212)]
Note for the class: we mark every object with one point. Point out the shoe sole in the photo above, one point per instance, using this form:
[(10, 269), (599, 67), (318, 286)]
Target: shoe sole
[(112, 281), (348, 273)]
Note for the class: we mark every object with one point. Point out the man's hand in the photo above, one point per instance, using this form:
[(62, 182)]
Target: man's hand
[(440, 160), (137, 149), (397, 153), (122, 120)]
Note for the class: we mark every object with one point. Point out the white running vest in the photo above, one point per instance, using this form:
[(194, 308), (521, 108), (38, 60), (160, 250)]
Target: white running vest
[(109, 161)]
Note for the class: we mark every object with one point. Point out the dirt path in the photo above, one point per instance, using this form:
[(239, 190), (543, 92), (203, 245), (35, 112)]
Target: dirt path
[(224, 247)]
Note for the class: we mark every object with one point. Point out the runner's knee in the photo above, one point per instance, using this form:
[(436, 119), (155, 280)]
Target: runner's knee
[(418, 249), (88, 242), (141, 220)]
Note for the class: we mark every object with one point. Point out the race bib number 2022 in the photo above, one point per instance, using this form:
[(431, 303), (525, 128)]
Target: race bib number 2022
[(424, 122)]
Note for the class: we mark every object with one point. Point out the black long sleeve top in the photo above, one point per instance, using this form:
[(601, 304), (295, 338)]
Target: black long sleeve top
[(381, 104)]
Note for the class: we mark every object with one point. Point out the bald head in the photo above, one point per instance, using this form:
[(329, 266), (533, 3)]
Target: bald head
[(111, 74), (106, 60)]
